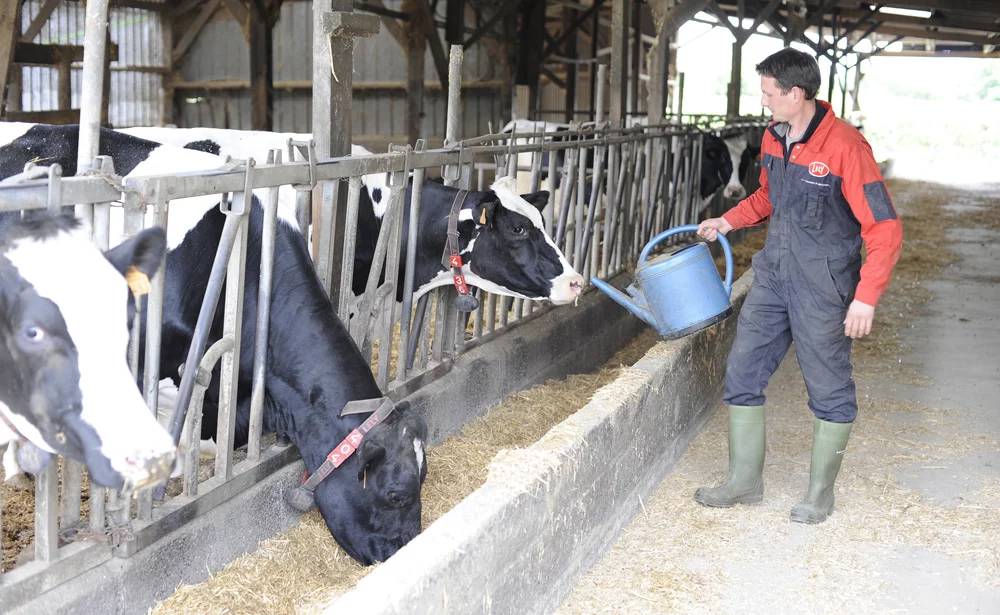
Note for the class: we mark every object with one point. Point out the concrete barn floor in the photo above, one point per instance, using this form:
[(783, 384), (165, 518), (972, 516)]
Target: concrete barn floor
[(915, 529)]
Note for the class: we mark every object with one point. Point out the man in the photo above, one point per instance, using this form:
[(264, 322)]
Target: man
[(822, 190)]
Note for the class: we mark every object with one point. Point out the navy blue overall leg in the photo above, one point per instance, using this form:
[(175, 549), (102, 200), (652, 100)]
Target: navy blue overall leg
[(763, 335), (817, 311)]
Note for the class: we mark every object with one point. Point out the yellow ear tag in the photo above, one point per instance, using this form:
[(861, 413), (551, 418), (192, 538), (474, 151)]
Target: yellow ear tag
[(482, 217), (137, 281)]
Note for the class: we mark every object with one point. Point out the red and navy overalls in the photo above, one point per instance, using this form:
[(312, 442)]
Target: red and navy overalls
[(822, 197)]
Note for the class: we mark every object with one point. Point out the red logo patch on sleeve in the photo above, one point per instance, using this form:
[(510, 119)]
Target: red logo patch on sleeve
[(818, 169)]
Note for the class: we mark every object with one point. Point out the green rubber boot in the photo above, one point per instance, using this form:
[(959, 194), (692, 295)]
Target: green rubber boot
[(829, 442), (745, 483)]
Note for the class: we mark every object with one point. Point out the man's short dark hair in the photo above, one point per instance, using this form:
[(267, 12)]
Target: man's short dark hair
[(792, 68)]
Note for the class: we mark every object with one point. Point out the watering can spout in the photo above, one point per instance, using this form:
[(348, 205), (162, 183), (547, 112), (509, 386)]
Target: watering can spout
[(633, 304)]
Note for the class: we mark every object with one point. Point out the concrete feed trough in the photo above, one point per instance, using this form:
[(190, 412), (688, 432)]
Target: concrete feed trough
[(548, 512)]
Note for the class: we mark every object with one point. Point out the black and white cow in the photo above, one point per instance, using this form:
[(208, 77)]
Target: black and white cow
[(65, 384), (523, 265), (504, 246), (741, 153), (314, 367), (716, 165)]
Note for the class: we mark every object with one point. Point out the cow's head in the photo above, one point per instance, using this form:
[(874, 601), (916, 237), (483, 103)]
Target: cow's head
[(716, 165), (371, 504), (510, 252), (739, 162), (66, 385)]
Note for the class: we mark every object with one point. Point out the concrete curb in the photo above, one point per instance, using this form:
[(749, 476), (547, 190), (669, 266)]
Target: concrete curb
[(547, 513)]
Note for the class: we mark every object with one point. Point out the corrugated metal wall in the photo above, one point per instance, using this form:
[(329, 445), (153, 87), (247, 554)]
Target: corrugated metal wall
[(379, 115), (136, 77)]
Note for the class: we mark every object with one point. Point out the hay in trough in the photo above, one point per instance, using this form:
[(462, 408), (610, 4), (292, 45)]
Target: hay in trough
[(302, 569)]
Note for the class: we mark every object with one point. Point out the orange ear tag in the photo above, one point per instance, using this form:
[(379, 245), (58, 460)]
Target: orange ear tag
[(482, 217), (137, 281)]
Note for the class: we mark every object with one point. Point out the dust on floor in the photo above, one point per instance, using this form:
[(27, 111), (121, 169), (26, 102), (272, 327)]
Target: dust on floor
[(887, 547), (302, 569)]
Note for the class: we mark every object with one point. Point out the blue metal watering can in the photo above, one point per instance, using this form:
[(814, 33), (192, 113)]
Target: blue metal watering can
[(679, 293)]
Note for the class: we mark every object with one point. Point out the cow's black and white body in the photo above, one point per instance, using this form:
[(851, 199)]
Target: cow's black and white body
[(504, 247), (65, 385), (529, 266), (314, 367)]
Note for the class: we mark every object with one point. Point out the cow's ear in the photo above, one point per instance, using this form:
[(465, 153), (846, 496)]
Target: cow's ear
[(484, 211), (144, 252), (369, 453), (538, 199)]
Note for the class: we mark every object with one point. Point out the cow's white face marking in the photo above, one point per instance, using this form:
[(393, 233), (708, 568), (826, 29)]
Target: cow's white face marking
[(378, 190), (736, 145), (566, 286), (69, 270), (418, 448)]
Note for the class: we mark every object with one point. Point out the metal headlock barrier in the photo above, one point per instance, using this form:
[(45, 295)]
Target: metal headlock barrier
[(615, 189)]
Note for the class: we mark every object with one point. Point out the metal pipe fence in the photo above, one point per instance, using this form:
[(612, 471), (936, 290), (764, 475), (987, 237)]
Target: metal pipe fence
[(641, 180)]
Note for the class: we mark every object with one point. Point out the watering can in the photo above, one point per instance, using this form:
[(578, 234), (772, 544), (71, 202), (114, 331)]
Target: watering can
[(678, 293)]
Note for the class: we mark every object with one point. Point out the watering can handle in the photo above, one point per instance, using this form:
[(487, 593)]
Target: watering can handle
[(691, 228)]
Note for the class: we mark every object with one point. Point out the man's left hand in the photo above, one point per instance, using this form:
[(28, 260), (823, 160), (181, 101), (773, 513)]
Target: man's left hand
[(859, 319)]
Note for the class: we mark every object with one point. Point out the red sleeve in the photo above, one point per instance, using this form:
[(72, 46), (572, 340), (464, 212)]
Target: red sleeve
[(865, 191), (752, 210)]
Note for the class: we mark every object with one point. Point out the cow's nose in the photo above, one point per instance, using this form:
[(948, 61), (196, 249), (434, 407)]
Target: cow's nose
[(144, 468)]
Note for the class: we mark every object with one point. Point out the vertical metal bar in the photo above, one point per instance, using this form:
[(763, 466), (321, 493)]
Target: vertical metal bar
[(416, 197), (491, 312), (268, 229), (154, 336), (46, 502), (102, 211), (303, 209), (454, 121), (550, 207), (193, 461), (69, 502), (98, 496), (350, 243), (581, 193), (91, 94), (397, 199), (232, 328), (566, 192)]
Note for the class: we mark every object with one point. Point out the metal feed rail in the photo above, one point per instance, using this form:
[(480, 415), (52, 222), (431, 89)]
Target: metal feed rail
[(649, 183)]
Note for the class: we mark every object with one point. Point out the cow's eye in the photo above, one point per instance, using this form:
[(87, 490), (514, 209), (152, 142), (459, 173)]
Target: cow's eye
[(33, 334), (396, 497), (518, 230)]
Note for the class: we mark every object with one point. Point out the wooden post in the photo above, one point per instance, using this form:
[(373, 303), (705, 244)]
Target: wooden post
[(335, 25), (659, 71), (570, 51), (10, 29), (167, 35), (65, 89), (106, 86), (733, 106), (619, 60), (454, 24), (261, 70), (636, 56), (531, 49), (416, 50)]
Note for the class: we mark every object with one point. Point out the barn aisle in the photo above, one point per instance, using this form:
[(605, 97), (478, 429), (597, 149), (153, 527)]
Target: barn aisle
[(918, 499)]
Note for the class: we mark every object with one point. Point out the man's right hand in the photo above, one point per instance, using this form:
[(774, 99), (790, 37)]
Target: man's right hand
[(710, 229)]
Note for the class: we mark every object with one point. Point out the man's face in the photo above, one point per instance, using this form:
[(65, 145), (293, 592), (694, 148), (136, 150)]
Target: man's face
[(782, 106)]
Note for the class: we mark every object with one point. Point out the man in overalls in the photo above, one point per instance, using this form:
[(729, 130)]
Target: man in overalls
[(823, 193)]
